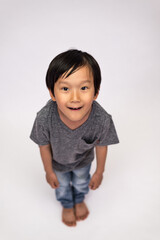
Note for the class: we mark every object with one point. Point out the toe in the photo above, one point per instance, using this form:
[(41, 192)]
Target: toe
[(68, 217), (81, 211), (70, 224)]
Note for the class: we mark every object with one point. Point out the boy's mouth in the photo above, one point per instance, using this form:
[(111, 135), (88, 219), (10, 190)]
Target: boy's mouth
[(75, 109)]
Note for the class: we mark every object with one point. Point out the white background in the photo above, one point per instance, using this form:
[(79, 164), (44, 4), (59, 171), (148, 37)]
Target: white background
[(124, 38)]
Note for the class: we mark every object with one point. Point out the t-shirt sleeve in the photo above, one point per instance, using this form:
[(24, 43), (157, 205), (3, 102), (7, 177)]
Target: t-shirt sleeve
[(108, 134), (39, 133)]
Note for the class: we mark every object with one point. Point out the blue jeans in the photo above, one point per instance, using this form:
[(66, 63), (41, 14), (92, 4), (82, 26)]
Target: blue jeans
[(73, 186)]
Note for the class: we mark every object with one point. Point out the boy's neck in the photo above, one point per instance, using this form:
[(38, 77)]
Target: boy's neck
[(73, 124)]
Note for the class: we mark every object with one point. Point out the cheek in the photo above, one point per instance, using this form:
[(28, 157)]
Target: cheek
[(61, 100), (88, 97)]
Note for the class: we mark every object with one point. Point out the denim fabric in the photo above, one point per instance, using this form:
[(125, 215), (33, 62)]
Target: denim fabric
[(73, 186)]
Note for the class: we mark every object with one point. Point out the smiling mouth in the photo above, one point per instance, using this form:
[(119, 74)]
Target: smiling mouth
[(74, 109)]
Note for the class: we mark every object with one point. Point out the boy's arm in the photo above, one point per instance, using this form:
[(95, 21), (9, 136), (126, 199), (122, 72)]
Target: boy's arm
[(101, 154), (46, 155)]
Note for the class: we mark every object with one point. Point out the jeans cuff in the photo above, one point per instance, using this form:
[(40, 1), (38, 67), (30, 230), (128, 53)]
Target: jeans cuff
[(69, 205), (79, 200)]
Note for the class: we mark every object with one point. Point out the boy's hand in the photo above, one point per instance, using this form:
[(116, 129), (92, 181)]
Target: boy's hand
[(95, 180), (52, 180)]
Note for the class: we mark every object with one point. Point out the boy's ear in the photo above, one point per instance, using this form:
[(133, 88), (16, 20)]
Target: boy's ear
[(51, 94), (95, 97)]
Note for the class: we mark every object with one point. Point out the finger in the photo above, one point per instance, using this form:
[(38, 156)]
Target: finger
[(91, 185), (56, 184), (56, 181), (52, 185), (91, 181), (95, 186)]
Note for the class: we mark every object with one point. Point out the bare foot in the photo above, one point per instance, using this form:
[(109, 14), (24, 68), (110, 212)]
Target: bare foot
[(81, 211), (68, 217)]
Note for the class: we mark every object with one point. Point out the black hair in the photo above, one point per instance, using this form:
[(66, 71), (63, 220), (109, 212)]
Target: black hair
[(72, 60)]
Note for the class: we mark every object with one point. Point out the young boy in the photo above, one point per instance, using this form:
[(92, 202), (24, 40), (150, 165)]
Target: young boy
[(69, 127)]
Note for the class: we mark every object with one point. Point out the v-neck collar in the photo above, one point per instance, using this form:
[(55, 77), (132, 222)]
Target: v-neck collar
[(78, 129)]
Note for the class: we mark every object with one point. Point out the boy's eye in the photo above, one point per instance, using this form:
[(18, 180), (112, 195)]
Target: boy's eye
[(65, 89), (84, 88)]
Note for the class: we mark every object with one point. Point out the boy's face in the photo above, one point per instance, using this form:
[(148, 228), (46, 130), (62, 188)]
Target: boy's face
[(74, 96)]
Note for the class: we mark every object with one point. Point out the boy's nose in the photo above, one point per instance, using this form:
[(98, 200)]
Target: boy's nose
[(75, 96)]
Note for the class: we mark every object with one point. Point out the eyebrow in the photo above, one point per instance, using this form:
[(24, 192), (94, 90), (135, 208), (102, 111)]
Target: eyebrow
[(85, 81)]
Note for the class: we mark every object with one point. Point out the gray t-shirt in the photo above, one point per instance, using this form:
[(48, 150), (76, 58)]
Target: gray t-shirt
[(72, 149)]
